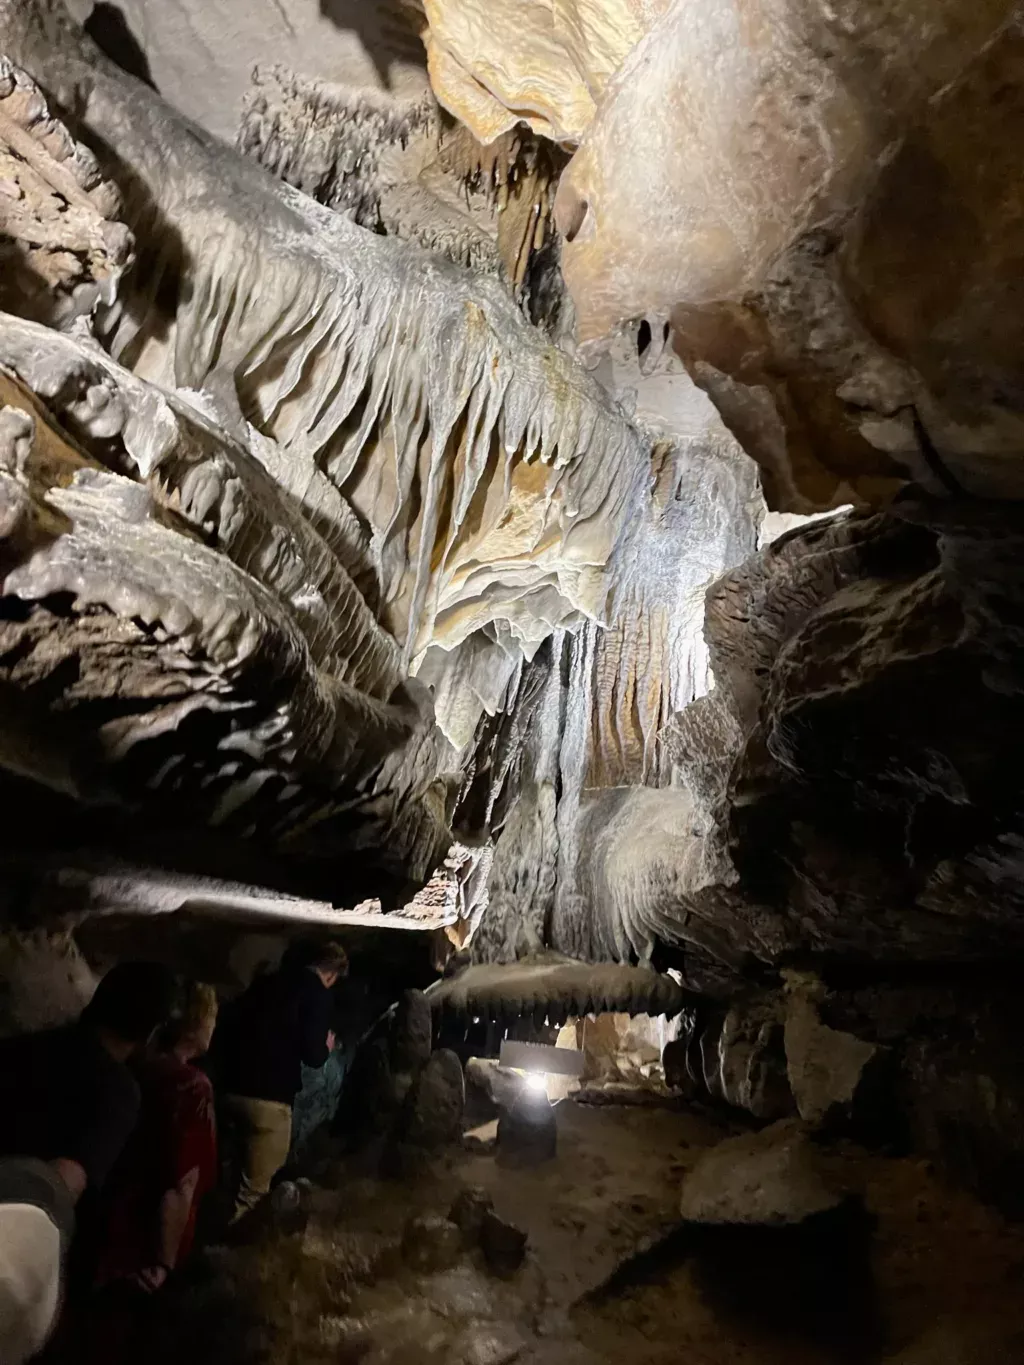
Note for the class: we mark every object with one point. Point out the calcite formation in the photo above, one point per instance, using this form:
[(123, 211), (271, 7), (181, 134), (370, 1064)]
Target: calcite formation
[(544, 64), (790, 103), (200, 53), (760, 173), (402, 169), (62, 247), (373, 458)]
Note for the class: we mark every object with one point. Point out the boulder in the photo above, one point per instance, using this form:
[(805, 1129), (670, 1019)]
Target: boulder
[(368, 1099), (432, 1113), (829, 1071), (490, 1343), (673, 1061), (431, 1243), (503, 1244), (468, 1212), (774, 1242), (411, 1032), (497, 1084), (768, 1178), (482, 1140)]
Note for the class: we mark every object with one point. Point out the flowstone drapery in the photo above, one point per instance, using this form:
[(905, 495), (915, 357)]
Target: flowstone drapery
[(324, 460)]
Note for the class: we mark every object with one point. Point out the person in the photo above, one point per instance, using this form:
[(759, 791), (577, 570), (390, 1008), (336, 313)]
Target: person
[(146, 1221), (148, 1217), (68, 1104), (37, 1220), (280, 1023)]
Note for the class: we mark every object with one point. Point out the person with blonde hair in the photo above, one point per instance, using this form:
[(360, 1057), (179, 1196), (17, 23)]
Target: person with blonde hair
[(151, 1205)]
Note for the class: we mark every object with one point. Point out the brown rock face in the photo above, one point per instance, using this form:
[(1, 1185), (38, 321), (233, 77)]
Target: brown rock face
[(838, 252), (744, 124), (872, 672)]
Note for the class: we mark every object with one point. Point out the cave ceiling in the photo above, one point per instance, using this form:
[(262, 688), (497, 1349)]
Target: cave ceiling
[(560, 455)]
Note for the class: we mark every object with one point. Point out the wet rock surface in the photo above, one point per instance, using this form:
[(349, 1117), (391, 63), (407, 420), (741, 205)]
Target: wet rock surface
[(343, 1289)]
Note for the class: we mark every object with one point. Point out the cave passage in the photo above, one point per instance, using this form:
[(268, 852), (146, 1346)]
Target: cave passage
[(511, 674)]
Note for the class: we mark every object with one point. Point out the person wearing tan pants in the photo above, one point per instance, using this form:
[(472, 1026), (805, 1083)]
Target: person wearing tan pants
[(277, 1026), (264, 1135)]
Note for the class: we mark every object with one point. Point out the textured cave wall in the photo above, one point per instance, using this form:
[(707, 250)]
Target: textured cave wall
[(865, 719), (846, 798), (545, 64), (310, 461), (200, 55), (817, 198), (599, 847), (403, 168)]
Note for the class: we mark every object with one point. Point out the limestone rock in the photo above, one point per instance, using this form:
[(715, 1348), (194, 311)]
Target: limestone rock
[(499, 1084), (735, 1056), (504, 1245), (368, 1100), (796, 296), (953, 1342), (673, 1061), (554, 987), (547, 66), (827, 1067), (62, 248), (493, 1344), (468, 1212), (396, 166), (825, 111), (200, 55), (229, 605), (769, 1178), (818, 640), (411, 1033), (432, 1113), (261, 470), (482, 1140), (430, 1244)]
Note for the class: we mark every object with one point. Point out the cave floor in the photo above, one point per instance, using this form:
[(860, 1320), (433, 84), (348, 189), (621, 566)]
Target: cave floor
[(943, 1282)]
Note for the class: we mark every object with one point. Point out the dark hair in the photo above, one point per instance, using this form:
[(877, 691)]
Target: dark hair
[(331, 957), (132, 1000), (327, 955)]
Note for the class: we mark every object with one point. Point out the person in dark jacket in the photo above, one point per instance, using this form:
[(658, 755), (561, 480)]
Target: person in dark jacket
[(68, 1105), (280, 1024)]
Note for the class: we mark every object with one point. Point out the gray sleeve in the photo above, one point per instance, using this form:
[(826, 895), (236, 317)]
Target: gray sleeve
[(24, 1180)]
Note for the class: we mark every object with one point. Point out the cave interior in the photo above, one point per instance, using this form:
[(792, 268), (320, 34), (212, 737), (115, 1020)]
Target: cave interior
[(534, 490)]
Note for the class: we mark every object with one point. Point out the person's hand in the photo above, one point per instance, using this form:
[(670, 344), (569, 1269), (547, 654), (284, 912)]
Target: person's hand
[(330, 1040), (151, 1278)]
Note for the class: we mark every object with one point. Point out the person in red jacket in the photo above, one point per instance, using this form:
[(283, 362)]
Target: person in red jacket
[(170, 1163)]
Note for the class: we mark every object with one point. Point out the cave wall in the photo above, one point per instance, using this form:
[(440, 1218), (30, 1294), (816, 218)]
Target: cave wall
[(200, 56)]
